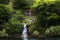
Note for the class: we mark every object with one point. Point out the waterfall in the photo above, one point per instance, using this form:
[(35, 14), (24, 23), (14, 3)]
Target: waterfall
[(24, 34)]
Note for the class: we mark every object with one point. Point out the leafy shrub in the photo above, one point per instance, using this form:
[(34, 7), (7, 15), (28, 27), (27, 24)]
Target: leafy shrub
[(36, 33), (53, 30), (4, 1), (3, 33), (5, 13)]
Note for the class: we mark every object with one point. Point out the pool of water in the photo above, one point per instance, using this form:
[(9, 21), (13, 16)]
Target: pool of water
[(46, 38)]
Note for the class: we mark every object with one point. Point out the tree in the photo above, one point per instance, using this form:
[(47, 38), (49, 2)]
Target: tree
[(20, 4), (5, 14), (53, 30), (4, 1), (47, 15)]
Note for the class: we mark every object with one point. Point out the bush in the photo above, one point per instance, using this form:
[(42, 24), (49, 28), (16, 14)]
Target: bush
[(3, 33), (53, 30), (36, 33), (4, 1), (5, 13), (16, 22)]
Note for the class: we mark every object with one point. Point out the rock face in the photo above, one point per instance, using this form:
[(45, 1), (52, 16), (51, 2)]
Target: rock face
[(27, 12)]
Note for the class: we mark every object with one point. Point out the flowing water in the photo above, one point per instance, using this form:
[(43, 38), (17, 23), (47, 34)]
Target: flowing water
[(24, 34)]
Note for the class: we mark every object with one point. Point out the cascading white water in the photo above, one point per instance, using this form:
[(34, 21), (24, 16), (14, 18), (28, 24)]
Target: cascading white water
[(25, 32)]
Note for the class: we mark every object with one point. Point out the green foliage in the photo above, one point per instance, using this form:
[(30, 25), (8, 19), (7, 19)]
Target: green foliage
[(15, 23), (20, 4), (10, 19), (36, 33), (3, 33), (53, 30), (4, 1), (45, 12), (5, 13)]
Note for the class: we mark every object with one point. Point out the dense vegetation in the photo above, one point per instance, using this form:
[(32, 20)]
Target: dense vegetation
[(45, 12)]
